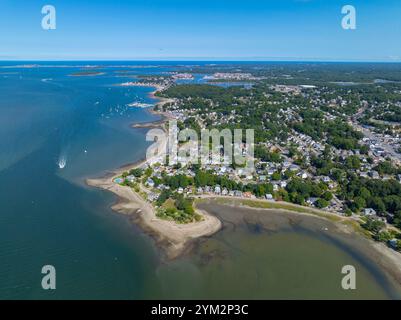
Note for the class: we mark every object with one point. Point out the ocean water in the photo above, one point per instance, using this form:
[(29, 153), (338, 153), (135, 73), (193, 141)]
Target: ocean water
[(48, 216)]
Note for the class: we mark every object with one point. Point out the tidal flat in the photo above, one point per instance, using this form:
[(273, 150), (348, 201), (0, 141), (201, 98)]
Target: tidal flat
[(273, 254)]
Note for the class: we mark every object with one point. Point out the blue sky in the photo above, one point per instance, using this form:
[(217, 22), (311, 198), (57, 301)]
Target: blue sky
[(201, 29)]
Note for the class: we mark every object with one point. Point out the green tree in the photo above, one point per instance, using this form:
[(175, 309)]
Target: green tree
[(373, 225), (276, 176), (328, 196), (321, 203), (359, 203)]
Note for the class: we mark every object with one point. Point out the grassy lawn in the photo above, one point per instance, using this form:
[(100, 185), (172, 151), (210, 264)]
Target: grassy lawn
[(169, 204)]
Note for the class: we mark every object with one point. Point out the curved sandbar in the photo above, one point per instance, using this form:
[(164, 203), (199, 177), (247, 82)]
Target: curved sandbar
[(173, 237)]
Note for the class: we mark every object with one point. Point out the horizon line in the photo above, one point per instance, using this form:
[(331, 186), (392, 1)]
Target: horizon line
[(199, 59)]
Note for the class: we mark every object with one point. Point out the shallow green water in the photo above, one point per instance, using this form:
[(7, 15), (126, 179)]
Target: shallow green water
[(286, 262)]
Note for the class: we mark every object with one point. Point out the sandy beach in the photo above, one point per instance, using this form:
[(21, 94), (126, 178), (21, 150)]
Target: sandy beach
[(172, 237)]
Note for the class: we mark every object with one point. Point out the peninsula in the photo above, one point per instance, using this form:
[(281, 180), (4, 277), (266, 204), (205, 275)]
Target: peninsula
[(310, 160)]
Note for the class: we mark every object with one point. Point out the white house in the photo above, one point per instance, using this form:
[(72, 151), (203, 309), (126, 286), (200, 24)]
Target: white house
[(369, 212), (269, 196), (150, 183)]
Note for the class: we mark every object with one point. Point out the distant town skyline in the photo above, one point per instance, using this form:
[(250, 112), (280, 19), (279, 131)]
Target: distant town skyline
[(287, 30)]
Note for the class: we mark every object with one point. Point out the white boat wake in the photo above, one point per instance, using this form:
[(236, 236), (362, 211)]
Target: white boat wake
[(62, 162)]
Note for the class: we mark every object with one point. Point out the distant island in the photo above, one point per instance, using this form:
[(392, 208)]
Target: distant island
[(87, 74)]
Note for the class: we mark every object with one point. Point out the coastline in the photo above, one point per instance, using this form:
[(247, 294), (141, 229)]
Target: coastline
[(164, 116), (173, 238), (176, 239)]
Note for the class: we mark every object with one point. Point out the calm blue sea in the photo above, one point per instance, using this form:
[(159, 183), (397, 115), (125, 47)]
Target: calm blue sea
[(48, 215)]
